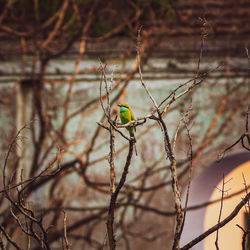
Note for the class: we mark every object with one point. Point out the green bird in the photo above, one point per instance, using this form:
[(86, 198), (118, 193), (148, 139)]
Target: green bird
[(126, 115)]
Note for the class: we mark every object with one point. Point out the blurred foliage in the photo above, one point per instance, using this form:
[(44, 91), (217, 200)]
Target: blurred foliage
[(108, 14), (163, 8), (26, 9)]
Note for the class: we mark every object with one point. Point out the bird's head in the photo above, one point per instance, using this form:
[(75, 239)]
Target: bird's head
[(124, 107)]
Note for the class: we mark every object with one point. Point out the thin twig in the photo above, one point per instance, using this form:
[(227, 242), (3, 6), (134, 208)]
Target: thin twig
[(220, 213), (140, 72), (65, 231), (191, 169)]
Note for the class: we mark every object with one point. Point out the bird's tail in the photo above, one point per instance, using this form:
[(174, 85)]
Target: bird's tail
[(132, 133), (135, 150), (132, 136)]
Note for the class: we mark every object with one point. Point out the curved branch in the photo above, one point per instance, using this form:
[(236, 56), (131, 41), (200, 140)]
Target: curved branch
[(219, 225)]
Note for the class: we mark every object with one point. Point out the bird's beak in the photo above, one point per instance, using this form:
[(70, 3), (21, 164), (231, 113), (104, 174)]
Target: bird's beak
[(119, 105)]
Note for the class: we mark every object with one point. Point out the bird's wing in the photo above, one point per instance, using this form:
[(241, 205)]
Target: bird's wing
[(132, 115)]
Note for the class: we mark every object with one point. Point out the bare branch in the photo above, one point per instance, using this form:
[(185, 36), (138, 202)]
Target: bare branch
[(65, 231), (219, 225)]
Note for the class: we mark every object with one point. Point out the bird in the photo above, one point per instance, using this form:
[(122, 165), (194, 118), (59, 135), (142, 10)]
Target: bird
[(126, 115)]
